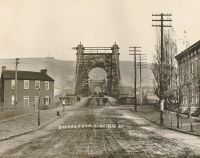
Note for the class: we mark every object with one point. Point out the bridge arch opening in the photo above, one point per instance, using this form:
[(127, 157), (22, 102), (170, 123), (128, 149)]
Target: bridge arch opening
[(97, 79), (97, 73)]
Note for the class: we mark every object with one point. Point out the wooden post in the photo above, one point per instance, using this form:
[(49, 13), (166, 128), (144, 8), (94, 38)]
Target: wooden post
[(16, 69), (39, 93)]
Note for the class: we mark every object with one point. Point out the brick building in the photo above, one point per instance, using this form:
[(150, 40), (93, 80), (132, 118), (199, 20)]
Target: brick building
[(29, 85), (189, 76)]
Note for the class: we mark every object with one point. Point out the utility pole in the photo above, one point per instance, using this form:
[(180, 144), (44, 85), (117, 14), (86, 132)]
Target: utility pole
[(140, 81), (135, 50), (161, 20), (141, 65), (16, 67), (39, 94)]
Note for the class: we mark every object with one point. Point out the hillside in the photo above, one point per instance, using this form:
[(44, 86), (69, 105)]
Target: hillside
[(63, 71)]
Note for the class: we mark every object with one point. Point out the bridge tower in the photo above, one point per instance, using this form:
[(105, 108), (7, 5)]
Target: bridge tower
[(106, 58)]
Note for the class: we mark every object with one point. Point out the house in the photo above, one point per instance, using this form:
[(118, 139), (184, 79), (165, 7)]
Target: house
[(30, 85), (189, 76)]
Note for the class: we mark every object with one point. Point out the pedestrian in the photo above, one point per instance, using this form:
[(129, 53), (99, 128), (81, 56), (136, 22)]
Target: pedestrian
[(58, 113)]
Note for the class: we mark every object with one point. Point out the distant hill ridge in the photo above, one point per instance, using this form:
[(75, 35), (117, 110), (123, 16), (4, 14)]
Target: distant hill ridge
[(63, 71)]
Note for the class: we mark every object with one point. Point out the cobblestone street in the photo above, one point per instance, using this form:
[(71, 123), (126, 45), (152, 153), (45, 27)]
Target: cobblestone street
[(99, 79), (102, 131)]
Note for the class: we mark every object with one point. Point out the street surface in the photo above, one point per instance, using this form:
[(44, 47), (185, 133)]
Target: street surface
[(102, 131)]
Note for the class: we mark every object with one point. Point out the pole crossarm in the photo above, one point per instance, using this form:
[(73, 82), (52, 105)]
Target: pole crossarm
[(161, 25), (135, 47), (161, 14), (132, 50), (140, 61), (162, 20), (135, 54), (142, 64), (141, 57)]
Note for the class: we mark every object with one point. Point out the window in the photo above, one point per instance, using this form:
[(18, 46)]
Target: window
[(181, 73), (193, 97), (26, 101), (46, 100), (185, 100), (37, 84), (36, 101), (26, 84), (197, 97), (12, 84), (191, 68), (46, 85), (13, 100)]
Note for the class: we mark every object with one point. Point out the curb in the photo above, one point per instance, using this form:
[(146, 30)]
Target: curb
[(31, 130), (171, 112), (17, 117), (166, 127), (185, 132)]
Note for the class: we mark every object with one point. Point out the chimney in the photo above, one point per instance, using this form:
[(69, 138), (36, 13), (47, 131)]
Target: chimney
[(3, 68), (44, 71)]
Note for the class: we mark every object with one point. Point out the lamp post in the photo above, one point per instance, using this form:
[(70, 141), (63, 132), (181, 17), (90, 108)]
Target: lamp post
[(162, 102), (39, 93), (63, 102)]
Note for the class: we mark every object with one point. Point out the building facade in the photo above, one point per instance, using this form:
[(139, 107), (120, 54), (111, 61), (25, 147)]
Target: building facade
[(126, 91), (30, 85), (189, 77)]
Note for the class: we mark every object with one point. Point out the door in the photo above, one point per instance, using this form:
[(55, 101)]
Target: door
[(26, 101), (46, 100), (36, 101)]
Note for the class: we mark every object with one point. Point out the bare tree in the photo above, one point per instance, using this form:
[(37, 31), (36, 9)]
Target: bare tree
[(168, 69)]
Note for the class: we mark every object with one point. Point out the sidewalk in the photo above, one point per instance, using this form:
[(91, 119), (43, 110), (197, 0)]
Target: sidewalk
[(29, 122), (26, 123), (170, 119)]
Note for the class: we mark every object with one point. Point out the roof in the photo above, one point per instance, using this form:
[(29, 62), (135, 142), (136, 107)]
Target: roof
[(187, 50), (26, 75)]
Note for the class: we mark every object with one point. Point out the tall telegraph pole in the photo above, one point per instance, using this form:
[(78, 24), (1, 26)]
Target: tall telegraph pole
[(135, 50), (161, 20), (16, 67), (141, 66)]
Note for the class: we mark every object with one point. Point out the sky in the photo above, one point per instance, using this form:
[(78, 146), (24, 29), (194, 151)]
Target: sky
[(41, 28)]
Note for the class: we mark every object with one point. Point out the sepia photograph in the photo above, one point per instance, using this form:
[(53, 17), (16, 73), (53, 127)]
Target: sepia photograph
[(99, 78)]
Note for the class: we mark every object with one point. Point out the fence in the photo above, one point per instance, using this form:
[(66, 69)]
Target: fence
[(186, 123)]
